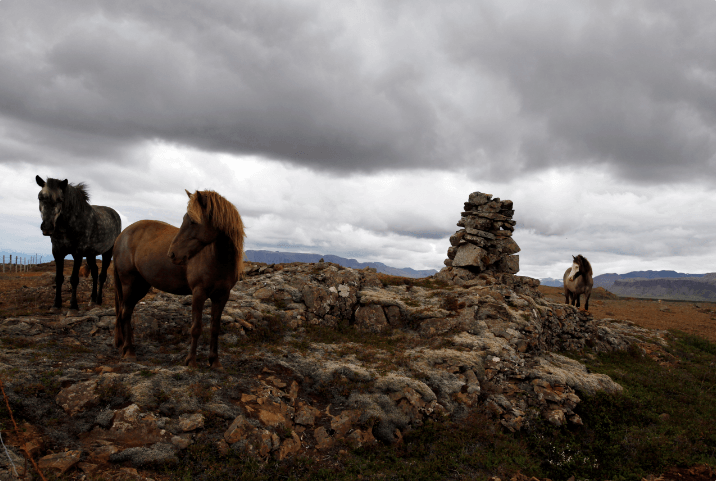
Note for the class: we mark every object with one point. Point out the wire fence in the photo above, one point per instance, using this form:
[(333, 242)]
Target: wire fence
[(21, 264)]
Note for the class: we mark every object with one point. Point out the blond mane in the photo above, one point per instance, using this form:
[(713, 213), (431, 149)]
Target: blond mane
[(223, 216)]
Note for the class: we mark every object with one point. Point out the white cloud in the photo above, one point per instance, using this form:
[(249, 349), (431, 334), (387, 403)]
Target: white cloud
[(401, 219)]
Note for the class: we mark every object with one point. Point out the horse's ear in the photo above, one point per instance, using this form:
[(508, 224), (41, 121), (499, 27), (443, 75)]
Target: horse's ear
[(39, 181), (63, 185), (201, 199), (188, 193), (574, 258)]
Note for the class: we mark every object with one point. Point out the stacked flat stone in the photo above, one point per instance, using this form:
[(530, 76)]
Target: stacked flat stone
[(485, 244)]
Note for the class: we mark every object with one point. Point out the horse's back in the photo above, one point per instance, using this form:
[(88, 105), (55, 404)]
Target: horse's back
[(106, 228), (141, 250)]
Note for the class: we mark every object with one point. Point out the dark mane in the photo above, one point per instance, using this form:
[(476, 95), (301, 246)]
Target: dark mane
[(583, 264), (76, 195)]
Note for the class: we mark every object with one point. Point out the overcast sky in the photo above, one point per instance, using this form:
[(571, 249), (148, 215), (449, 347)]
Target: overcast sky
[(360, 128)]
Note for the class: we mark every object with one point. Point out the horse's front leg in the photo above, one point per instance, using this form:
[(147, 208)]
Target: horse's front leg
[(74, 282), (577, 296), (92, 264), (218, 301), (197, 307), (59, 279)]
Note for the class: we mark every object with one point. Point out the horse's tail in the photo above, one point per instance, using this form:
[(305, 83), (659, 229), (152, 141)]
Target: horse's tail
[(118, 296)]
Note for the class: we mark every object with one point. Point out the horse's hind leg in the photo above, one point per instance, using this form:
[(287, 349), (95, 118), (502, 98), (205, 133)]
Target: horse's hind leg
[(133, 291), (197, 306), (92, 264), (587, 295), (217, 308), (577, 296), (106, 259)]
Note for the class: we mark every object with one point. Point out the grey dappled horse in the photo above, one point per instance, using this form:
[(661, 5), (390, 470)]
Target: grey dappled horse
[(78, 229)]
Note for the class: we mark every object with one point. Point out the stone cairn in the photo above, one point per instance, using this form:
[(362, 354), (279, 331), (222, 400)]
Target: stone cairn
[(485, 244)]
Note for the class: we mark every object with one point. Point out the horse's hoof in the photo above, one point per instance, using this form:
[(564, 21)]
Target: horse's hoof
[(55, 310), (73, 313), (190, 362), (217, 366), (91, 305), (130, 356)]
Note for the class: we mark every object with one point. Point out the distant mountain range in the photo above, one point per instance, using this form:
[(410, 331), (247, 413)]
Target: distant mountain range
[(271, 257), (668, 285), (692, 288), (607, 280)]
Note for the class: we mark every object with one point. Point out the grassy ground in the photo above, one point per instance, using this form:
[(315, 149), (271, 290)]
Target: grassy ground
[(665, 420), (665, 417)]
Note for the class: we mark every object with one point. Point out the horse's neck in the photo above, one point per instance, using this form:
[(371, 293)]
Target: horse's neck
[(77, 217), (224, 250)]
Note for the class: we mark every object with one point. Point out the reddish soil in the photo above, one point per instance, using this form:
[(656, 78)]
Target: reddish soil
[(33, 292)]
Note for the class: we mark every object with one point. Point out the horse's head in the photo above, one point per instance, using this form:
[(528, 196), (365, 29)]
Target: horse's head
[(51, 199), (195, 233), (575, 272)]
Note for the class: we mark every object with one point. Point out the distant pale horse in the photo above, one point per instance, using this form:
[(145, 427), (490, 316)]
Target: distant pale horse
[(78, 229), (578, 280)]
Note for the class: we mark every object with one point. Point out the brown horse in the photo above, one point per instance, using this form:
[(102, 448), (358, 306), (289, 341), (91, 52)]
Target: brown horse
[(578, 280), (204, 257)]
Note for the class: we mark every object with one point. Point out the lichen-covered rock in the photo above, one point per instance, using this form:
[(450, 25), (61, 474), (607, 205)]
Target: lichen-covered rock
[(557, 369), (371, 318), (77, 397)]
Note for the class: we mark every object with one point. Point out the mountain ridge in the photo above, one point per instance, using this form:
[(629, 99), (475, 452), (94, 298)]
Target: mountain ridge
[(277, 257)]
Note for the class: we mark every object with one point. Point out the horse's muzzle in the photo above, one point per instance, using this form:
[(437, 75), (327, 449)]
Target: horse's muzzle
[(176, 260)]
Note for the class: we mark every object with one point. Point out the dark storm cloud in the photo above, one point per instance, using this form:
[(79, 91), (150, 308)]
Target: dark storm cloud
[(256, 79), (488, 87), (631, 85)]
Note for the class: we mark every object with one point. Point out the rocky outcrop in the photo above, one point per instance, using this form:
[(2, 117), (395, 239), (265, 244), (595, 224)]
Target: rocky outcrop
[(317, 356)]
